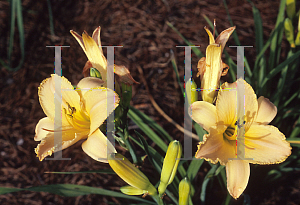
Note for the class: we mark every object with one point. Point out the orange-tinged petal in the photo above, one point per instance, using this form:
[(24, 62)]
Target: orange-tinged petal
[(204, 113), (96, 102), (266, 145), (48, 96), (42, 128), (266, 111), (94, 55), (224, 36), (215, 148), (237, 172), (47, 146), (97, 146), (96, 37), (124, 75)]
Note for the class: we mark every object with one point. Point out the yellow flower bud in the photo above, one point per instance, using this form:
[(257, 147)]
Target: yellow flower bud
[(130, 190), (290, 8), (130, 174), (184, 191), (289, 31), (191, 92), (170, 165)]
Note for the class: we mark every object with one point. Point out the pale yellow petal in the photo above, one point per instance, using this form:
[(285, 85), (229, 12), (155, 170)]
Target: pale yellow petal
[(87, 83), (97, 146), (78, 38), (96, 102), (94, 55), (210, 35), (43, 127), (227, 107), (215, 148), (266, 111), (237, 172), (48, 97), (266, 145), (204, 114), (47, 146), (210, 81)]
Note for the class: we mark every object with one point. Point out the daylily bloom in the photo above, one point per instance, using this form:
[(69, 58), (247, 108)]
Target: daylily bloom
[(211, 67), (93, 50), (263, 143), (83, 110)]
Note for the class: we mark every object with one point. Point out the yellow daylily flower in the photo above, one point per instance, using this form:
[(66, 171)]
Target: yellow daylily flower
[(93, 50), (211, 67), (263, 143), (83, 110)]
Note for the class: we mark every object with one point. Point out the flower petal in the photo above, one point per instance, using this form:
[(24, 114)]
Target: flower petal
[(87, 83), (94, 54), (204, 114), (78, 38), (99, 103), (96, 37), (215, 148), (47, 146), (266, 111), (224, 36), (237, 172), (97, 146), (48, 97), (227, 103), (42, 128), (266, 145)]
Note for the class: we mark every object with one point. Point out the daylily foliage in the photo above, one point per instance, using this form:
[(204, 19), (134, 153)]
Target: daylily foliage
[(82, 111), (263, 143)]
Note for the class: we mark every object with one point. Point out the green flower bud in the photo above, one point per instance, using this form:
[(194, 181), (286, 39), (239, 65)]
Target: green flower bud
[(297, 40), (290, 8), (130, 174), (191, 92), (184, 191), (289, 31), (95, 73), (170, 165)]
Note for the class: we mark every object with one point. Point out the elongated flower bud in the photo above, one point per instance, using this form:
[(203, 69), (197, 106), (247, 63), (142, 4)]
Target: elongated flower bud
[(170, 165), (130, 190), (297, 40), (191, 92), (289, 31), (290, 8), (184, 191), (130, 174)]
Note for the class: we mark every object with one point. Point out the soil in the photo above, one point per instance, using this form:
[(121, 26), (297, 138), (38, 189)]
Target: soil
[(141, 28)]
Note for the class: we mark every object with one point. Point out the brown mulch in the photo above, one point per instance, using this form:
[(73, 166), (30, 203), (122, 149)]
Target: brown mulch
[(140, 27)]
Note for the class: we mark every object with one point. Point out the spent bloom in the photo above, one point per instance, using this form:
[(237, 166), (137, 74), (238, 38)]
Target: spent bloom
[(210, 68), (82, 111), (96, 59), (263, 143)]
